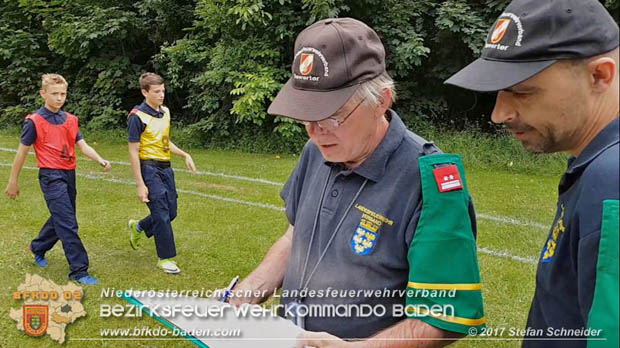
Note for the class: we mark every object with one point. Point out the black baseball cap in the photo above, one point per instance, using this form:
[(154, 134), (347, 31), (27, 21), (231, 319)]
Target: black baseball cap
[(531, 35), (332, 58)]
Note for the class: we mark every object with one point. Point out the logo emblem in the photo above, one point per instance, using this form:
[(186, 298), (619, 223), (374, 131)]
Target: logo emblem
[(500, 30), (448, 178), (35, 319), (306, 63), (363, 241), (552, 242)]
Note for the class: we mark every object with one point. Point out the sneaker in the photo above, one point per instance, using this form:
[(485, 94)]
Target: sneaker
[(134, 234), (38, 259), (168, 266), (87, 280)]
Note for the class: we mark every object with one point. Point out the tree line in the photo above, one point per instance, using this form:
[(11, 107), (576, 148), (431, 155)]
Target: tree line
[(224, 60)]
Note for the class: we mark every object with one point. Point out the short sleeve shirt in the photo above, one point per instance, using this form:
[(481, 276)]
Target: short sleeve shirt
[(135, 125), (566, 275), (383, 194), (29, 132)]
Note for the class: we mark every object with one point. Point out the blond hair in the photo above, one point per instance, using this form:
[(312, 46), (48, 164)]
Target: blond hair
[(52, 79), (149, 79)]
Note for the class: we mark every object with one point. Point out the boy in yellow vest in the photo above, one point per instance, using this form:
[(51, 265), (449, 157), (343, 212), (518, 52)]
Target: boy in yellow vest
[(149, 153)]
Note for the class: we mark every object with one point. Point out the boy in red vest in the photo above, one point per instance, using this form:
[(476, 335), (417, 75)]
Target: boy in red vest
[(149, 151), (54, 133)]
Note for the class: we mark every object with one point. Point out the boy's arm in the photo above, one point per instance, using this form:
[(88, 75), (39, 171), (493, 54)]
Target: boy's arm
[(134, 158), (93, 155), (189, 162), (12, 189)]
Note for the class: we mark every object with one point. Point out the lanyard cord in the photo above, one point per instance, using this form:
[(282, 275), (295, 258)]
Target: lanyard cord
[(329, 242)]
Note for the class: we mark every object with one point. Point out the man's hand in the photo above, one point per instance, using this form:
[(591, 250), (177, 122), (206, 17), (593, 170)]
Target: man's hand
[(189, 163), (12, 190), (105, 164), (143, 193), (320, 340)]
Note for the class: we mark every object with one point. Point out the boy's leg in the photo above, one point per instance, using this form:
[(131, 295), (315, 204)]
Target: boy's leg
[(47, 237), (146, 225), (60, 197), (171, 193), (45, 240), (159, 219)]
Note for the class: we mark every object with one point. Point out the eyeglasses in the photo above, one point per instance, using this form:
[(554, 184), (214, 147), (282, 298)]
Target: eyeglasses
[(330, 124)]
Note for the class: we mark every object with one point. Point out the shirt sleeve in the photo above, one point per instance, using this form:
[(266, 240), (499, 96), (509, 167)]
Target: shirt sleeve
[(79, 136), (135, 127), (291, 191), (29, 133)]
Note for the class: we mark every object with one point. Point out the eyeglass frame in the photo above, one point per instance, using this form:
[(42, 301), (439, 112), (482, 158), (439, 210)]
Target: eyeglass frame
[(334, 122)]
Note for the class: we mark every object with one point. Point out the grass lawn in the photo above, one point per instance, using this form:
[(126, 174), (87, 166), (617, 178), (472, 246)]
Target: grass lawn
[(226, 224)]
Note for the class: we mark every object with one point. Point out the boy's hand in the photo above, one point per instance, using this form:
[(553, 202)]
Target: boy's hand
[(105, 164), (12, 190), (189, 163), (143, 193)]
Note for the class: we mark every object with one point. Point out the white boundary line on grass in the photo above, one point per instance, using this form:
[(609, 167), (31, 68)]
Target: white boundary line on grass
[(501, 254), (483, 216), (222, 175)]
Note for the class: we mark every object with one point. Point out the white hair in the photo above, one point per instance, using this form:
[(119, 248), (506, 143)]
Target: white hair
[(372, 91)]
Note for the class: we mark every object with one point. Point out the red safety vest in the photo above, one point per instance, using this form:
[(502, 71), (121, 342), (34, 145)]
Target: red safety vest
[(55, 144)]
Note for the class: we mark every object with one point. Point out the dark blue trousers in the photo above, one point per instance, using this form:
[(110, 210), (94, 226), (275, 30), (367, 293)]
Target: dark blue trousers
[(163, 208), (58, 188)]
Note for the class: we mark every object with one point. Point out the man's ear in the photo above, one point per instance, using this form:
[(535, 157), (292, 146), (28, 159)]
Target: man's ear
[(602, 72), (144, 92), (385, 102)]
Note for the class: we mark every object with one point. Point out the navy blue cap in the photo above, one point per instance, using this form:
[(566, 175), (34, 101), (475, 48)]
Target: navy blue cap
[(531, 35)]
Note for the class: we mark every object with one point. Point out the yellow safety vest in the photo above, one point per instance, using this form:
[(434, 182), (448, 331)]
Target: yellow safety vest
[(155, 140)]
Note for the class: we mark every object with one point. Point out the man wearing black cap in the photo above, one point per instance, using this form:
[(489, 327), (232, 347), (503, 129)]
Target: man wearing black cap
[(554, 65), (380, 220)]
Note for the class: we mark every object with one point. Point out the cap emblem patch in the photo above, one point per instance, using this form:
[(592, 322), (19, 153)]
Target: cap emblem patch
[(500, 30), (306, 63)]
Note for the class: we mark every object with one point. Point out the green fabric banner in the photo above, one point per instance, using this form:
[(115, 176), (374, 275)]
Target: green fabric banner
[(443, 258), (605, 312)]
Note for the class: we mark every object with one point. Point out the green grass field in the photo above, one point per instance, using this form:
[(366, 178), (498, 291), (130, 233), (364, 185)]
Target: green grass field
[(226, 224)]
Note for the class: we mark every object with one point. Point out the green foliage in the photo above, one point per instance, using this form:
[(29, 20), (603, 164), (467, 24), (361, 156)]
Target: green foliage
[(225, 60)]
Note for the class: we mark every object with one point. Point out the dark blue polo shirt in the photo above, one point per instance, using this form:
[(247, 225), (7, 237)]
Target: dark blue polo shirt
[(566, 274), (136, 126), (391, 198), (29, 132)]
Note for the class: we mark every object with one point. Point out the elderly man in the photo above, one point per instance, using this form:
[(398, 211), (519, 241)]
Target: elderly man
[(378, 216), (555, 67)]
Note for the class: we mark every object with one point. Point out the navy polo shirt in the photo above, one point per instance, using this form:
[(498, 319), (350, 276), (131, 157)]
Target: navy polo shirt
[(136, 126), (29, 132), (391, 198), (566, 275)]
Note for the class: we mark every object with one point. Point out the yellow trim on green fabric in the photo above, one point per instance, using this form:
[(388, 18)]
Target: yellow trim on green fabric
[(437, 286), (449, 318)]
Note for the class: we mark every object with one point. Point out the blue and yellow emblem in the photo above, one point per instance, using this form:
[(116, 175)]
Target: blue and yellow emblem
[(35, 319), (363, 241), (552, 242)]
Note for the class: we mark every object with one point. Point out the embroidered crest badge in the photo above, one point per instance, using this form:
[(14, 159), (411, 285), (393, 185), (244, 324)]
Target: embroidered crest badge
[(363, 241), (35, 319)]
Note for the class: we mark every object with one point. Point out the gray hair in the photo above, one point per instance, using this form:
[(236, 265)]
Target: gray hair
[(372, 91)]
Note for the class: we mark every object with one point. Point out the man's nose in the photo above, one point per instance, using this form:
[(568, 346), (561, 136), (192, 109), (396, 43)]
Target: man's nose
[(503, 111)]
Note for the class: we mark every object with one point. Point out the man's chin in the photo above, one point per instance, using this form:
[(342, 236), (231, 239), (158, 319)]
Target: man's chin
[(537, 148)]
